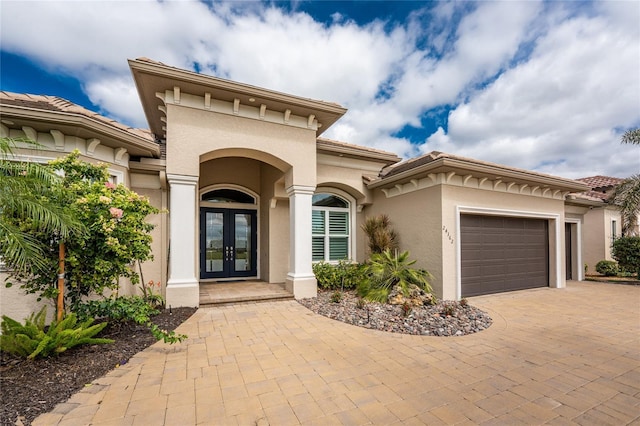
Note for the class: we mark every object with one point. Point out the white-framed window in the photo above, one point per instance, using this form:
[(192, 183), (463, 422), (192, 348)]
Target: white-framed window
[(116, 177), (331, 228), (614, 229)]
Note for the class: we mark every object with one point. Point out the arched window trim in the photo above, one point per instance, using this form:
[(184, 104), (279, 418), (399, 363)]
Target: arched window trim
[(240, 188), (352, 218)]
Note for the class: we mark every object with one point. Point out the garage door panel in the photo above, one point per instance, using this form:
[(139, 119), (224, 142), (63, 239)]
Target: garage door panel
[(503, 254)]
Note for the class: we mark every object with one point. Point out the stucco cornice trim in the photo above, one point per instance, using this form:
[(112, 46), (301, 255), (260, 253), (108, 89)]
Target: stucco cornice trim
[(53, 118), (482, 170), (153, 77)]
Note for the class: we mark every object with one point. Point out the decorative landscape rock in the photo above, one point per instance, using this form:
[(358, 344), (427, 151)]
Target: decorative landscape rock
[(416, 297), (430, 320)]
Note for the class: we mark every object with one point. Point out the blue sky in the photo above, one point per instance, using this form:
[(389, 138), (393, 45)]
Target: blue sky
[(547, 86)]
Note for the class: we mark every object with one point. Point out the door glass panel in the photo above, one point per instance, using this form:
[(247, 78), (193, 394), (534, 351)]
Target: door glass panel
[(242, 238), (214, 242)]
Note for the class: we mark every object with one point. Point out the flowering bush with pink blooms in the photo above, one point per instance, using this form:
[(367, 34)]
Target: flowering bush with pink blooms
[(117, 234)]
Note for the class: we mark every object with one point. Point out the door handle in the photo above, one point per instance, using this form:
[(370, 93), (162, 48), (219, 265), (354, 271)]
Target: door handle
[(228, 253)]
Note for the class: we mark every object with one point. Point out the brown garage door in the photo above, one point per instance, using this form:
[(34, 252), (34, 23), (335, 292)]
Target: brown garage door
[(503, 254)]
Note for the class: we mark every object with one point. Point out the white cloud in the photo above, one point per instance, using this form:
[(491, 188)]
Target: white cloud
[(557, 111), (566, 78)]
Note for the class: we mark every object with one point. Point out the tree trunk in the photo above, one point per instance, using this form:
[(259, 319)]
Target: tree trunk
[(60, 307)]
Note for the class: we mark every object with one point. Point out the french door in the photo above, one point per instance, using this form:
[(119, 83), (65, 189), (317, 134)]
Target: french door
[(228, 243)]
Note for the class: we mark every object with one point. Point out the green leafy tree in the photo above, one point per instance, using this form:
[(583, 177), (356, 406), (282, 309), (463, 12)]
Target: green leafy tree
[(626, 251), (118, 234), (627, 193), (26, 193)]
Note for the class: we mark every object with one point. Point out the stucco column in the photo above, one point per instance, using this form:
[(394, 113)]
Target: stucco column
[(182, 285), (300, 280)]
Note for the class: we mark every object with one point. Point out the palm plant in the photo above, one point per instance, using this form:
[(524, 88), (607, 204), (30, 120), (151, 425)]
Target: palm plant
[(387, 270), (627, 194), (24, 208), (381, 236)]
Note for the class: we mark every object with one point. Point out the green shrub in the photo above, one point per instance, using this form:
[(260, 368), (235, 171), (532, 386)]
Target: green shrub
[(626, 250), (336, 297), (129, 308), (344, 275), (386, 270), (608, 268), (31, 340), (117, 309)]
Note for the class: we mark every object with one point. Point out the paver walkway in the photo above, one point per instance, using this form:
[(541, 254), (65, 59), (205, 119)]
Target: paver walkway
[(557, 356)]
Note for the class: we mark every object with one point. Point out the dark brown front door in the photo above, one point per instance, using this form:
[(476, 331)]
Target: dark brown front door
[(503, 254)]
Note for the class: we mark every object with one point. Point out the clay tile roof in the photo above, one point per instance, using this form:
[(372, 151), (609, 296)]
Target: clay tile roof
[(56, 104), (601, 181), (412, 163), (600, 186)]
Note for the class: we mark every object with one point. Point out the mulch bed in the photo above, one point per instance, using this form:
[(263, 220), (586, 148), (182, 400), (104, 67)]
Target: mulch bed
[(30, 388)]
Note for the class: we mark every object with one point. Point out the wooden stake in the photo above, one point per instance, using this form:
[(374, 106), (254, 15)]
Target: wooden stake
[(60, 306)]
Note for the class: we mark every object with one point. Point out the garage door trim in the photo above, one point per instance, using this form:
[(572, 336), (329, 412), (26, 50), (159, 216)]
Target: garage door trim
[(555, 280)]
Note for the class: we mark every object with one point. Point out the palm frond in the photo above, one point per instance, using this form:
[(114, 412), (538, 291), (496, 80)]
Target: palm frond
[(19, 249), (627, 196), (631, 136)]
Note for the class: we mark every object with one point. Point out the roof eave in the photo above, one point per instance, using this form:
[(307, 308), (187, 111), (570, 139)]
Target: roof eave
[(354, 152), (573, 199), (485, 169), (326, 112), (80, 120)]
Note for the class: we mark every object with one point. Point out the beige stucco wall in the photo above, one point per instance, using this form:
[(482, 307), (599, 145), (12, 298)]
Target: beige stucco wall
[(346, 174), (274, 231), (244, 172), (15, 304), (597, 236), (416, 217), (150, 186), (197, 135)]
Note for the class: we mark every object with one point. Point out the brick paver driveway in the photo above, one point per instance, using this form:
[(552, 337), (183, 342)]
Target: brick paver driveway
[(568, 356)]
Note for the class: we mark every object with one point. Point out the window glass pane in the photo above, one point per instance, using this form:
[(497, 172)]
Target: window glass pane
[(243, 250), (338, 248), (228, 196), (213, 242), (338, 223), (317, 248), (329, 200), (317, 222)]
